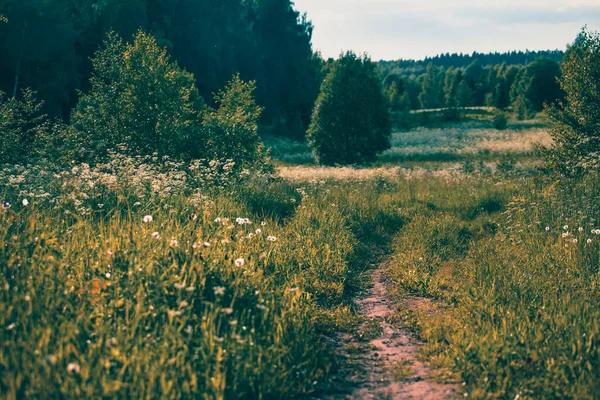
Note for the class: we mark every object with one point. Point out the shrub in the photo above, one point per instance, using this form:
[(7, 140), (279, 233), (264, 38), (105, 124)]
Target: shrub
[(139, 97), (231, 130), (500, 121), (351, 120), (23, 126), (576, 120)]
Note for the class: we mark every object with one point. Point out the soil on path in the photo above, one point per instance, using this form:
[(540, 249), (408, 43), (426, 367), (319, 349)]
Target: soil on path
[(386, 363)]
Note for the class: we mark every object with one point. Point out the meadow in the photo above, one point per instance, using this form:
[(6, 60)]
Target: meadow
[(135, 279)]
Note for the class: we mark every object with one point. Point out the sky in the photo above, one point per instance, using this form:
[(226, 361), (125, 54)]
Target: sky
[(402, 29)]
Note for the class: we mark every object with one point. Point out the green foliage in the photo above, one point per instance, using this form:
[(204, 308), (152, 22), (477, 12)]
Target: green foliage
[(544, 85), (576, 120), (351, 121), (432, 89), (513, 264), (25, 128), (139, 97), (535, 86), (500, 121), (193, 302), (231, 130), (47, 45)]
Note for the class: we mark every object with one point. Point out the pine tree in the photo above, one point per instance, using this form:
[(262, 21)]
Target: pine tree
[(351, 120)]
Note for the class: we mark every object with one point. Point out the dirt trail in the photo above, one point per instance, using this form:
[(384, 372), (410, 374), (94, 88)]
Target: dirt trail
[(389, 361)]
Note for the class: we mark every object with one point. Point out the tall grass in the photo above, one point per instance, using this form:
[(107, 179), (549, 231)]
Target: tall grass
[(229, 291), (212, 297), (517, 272)]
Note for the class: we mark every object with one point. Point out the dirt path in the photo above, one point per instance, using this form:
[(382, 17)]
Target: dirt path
[(386, 356)]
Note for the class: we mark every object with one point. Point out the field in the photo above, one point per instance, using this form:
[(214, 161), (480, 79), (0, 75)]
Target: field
[(132, 279)]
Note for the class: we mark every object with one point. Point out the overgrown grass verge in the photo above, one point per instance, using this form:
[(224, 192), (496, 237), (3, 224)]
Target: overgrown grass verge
[(516, 273), (114, 290)]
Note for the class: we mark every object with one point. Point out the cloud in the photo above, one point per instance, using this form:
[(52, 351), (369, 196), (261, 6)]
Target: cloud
[(558, 15), (391, 29)]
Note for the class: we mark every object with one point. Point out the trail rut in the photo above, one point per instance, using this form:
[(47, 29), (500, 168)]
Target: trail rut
[(388, 366)]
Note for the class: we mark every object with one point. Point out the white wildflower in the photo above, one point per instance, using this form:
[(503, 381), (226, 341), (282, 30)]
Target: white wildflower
[(240, 262), (155, 235), (147, 219), (271, 238), (219, 290), (73, 368), (25, 202)]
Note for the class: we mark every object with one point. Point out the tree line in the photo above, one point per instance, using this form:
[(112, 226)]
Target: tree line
[(47, 46), (523, 88), (460, 60)]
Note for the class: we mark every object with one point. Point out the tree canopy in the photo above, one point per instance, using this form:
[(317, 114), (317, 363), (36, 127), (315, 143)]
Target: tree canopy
[(46, 45), (576, 120), (351, 121)]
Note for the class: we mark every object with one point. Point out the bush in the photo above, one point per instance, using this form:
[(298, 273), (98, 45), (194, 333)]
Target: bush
[(351, 120), (231, 130), (139, 97), (500, 121), (576, 120), (23, 126)]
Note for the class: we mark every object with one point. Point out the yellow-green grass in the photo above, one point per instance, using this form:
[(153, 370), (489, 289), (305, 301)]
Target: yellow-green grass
[(449, 143), (518, 280), (93, 304)]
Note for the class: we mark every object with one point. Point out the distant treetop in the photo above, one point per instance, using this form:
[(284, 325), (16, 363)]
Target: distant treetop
[(463, 60)]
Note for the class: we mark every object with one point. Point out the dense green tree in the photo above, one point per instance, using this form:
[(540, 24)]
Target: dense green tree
[(506, 79), (432, 89), (398, 98), (351, 121), (464, 94), (522, 107), (141, 98), (475, 77), (576, 119), (450, 87), (231, 130), (543, 85)]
